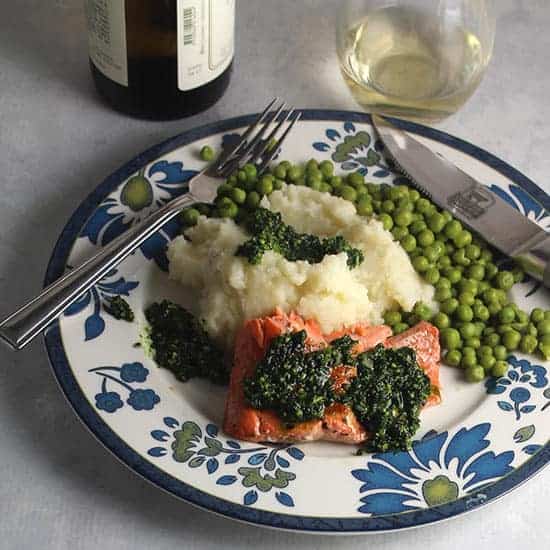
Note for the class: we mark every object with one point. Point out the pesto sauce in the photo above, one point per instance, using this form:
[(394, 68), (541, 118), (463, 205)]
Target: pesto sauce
[(181, 344), (386, 396), (270, 233), (120, 309)]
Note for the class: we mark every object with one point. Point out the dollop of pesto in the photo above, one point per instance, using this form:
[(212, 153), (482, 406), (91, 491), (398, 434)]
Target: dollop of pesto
[(120, 309), (181, 344), (386, 396), (270, 233)]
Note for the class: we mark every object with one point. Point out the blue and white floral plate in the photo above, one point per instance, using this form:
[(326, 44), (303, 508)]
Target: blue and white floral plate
[(480, 443)]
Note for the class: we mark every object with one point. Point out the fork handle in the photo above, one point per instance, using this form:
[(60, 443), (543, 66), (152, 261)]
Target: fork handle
[(34, 317)]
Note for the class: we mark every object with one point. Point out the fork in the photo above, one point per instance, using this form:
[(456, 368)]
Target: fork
[(255, 146)]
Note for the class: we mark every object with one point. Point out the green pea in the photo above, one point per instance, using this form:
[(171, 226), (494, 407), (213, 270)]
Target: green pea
[(506, 315), (466, 298), (414, 195), (475, 373), (392, 317), (531, 329), (453, 358), (499, 369), (447, 215), (402, 217), (500, 352), (473, 342), (190, 217), (490, 271), (476, 271), (423, 206), (388, 206), (454, 275), (547, 315), (486, 255), (480, 327), (468, 362), (436, 222), (327, 168), (459, 258), (355, 179), (487, 362), (464, 238), (376, 205), (226, 207), (253, 200), (312, 164), (280, 171), (492, 340), (265, 185), (422, 311), (408, 242), (449, 306), (441, 320), (444, 262), (481, 312), (348, 193), (545, 350), (543, 327), (469, 285), (482, 286), (207, 153), (278, 184), (204, 209), (398, 328), (464, 313), (528, 344), (364, 207), (484, 350), (442, 294), (421, 264), (432, 275), (511, 340), (372, 187), (426, 237), (504, 280), (294, 173), (336, 182), (251, 171), (386, 220), (452, 229), (473, 251), (238, 195), (450, 338), (467, 330), (399, 232), (537, 315), (406, 204), (417, 227)]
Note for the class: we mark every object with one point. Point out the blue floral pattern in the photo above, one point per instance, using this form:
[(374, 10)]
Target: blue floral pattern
[(268, 467), (355, 149), (139, 399), (522, 379), (438, 469), (133, 201), (97, 300)]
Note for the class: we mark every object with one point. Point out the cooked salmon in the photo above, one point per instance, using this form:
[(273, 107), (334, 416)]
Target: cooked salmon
[(339, 423)]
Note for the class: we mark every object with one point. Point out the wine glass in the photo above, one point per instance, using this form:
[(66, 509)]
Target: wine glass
[(417, 59)]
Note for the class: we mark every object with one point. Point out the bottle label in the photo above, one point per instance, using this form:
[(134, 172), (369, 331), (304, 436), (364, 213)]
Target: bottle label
[(206, 38), (107, 38)]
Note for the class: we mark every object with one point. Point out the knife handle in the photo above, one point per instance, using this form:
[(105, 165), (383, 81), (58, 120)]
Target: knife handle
[(536, 260)]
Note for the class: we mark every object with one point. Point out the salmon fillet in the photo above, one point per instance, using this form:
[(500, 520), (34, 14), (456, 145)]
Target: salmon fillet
[(339, 423)]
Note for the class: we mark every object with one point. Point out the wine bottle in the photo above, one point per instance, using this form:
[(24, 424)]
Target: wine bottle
[(161, 59)]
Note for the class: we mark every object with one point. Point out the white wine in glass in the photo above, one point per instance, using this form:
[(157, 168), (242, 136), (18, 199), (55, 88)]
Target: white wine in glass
[(415, 59)]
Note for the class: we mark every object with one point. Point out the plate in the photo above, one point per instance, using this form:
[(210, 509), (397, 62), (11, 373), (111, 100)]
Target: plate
[(483, 441)]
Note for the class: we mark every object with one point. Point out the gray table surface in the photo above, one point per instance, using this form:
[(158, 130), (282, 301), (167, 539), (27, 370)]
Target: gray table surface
[(58, 487)]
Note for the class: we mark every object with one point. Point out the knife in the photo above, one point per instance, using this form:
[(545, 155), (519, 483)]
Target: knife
[(472, 203)]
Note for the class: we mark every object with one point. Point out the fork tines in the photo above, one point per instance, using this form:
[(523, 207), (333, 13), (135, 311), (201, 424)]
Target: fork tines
[(261, 141)]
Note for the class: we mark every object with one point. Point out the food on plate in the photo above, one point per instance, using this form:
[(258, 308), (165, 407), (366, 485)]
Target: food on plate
[(292, 383), (231, 290), (120, 309), (178, 342), (479, 323)]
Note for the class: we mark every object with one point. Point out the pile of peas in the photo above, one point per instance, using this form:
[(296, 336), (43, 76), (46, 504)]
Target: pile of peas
[(479, 325)]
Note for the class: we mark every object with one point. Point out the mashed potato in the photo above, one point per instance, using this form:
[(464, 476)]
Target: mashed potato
[(230, 290)]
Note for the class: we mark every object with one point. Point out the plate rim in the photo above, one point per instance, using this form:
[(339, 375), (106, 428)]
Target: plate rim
[(146, 469)]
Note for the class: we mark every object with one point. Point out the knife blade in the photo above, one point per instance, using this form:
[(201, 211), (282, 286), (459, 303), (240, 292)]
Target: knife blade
[(472, 203)]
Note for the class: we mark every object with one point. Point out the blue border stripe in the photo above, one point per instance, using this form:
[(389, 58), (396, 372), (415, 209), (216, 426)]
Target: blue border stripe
[(149, 471)]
